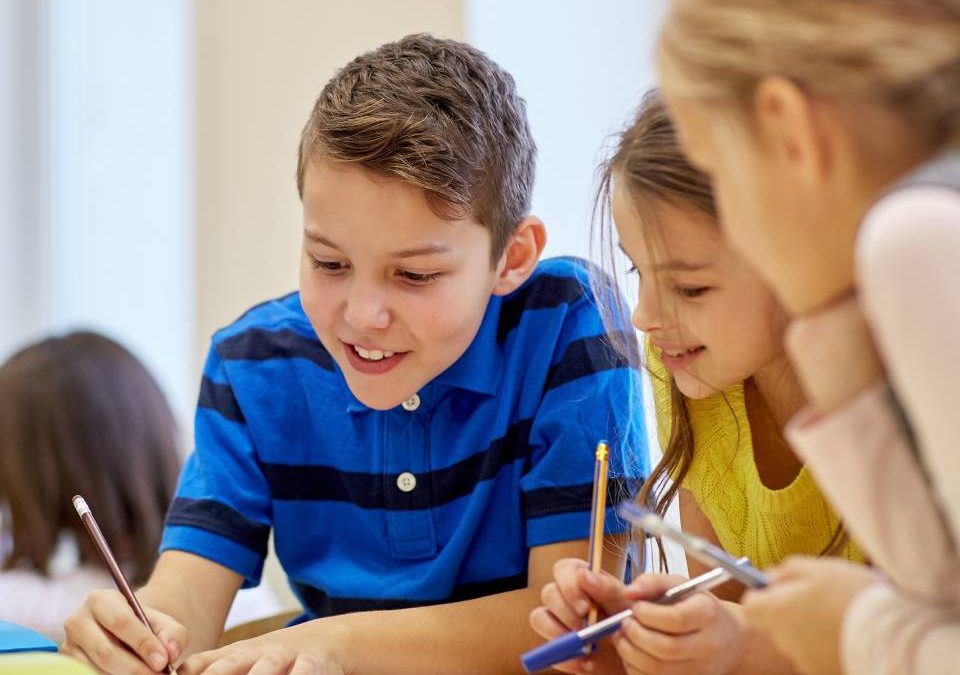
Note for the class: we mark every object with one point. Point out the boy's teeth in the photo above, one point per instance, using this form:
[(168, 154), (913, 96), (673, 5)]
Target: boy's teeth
[(372, 354)]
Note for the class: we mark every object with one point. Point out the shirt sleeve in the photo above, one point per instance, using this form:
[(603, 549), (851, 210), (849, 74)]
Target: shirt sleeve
[(915, 637), (222, 509), (895, 483), (908, 264), (593, 393)]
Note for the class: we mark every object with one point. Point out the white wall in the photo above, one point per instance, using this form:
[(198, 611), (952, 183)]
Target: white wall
[(23, 292), (98, 228), (582, 67)]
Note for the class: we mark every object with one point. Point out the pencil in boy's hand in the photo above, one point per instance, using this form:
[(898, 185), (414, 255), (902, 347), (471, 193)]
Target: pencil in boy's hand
[(86, 515), (598, 512)]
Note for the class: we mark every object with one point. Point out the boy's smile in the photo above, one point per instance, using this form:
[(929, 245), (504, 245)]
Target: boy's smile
[(395, 292)]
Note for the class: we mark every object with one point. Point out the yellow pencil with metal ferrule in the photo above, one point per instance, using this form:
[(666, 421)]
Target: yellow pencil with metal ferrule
[(598, 512)]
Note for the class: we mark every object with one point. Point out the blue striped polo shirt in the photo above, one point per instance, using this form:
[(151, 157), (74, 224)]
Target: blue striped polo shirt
[(435, 501)]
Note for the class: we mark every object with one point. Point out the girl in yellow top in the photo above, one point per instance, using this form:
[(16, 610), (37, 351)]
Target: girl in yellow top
[(723, 390)]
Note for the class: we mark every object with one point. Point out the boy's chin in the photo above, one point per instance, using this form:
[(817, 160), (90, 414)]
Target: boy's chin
[(378, 401), (383, 398)]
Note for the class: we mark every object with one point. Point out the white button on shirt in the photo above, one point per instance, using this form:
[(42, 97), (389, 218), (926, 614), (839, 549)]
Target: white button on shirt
[(411, 403), (406, 481)]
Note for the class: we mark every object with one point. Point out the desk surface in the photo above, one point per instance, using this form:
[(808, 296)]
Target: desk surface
[(41, 663)]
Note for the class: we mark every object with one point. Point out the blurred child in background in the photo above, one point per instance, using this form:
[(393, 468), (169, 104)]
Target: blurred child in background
[(79, 414)]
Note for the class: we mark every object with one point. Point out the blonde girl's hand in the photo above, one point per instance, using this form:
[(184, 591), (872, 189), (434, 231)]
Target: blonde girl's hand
[(803, 608), (566, 603), (697, 636)]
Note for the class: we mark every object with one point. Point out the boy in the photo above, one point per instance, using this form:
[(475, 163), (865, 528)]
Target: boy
[(416, 424)]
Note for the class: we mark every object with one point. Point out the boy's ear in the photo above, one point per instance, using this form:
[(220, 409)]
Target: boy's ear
[(521, 255), (793, 129)]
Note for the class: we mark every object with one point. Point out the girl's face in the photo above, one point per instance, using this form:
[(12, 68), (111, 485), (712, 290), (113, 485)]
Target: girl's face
[(751, 190), (706, 312)]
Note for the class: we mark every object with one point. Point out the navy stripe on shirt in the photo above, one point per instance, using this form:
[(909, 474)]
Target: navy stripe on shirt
[(219, 518), (220, 397), (584, 357), (543, 292), (257, 344), (374, 491), (570, 498), (320, 604)]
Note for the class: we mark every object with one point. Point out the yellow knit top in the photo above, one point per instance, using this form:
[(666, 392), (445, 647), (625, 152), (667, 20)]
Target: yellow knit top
[(749, 518)]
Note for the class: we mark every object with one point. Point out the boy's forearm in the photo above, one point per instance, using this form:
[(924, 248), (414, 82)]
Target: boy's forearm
[(485, 635)]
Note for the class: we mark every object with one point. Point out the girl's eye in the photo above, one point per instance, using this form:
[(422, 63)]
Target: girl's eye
[(633, 270), (694, 292), (416, 278), (326, 265)]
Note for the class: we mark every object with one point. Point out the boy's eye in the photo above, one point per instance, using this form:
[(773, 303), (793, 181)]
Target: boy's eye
[(326, 265), (417, 278), (692, 292)]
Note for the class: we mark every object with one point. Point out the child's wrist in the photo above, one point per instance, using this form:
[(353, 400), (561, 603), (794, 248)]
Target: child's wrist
[(833, 353)]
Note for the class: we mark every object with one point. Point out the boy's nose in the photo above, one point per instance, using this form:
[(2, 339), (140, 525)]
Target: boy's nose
[(366, 310)]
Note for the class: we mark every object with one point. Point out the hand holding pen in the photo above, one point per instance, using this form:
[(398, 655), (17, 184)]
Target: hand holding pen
[(572, 644), (703, 634), (112, 630)]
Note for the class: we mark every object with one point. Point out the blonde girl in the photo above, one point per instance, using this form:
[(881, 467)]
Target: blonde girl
[(830, 130)]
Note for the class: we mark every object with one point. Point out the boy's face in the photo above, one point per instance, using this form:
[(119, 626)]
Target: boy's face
[(707, 313), (395, 293)]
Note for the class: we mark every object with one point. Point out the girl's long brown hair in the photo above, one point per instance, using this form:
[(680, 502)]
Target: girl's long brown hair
[(649, 164), (80, 414)]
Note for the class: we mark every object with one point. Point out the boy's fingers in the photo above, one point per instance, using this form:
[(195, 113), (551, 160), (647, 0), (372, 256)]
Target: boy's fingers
[(545, 624), (566, 576), (107, 655), (111, 611), (277, 661), (198, 662), (172, 634), (568, 615)]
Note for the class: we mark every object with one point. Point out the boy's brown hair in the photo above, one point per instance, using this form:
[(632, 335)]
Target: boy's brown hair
[(437, 114)]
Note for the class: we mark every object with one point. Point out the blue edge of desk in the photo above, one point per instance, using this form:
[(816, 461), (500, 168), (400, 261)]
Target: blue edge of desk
[(26, 652)]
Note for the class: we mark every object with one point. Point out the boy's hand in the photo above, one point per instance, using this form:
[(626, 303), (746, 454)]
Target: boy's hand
[(106, 634), (697, 636), (260, 656), (566, 602)]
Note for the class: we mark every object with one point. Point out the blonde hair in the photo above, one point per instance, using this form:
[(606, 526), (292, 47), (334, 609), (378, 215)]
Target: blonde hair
[(901, 54)]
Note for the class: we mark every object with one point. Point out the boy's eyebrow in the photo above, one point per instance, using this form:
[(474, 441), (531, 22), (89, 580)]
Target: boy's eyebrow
[(428, 249), (312, 236)]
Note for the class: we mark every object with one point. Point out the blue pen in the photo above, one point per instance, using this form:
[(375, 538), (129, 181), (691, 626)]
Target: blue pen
[(574, 643)]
